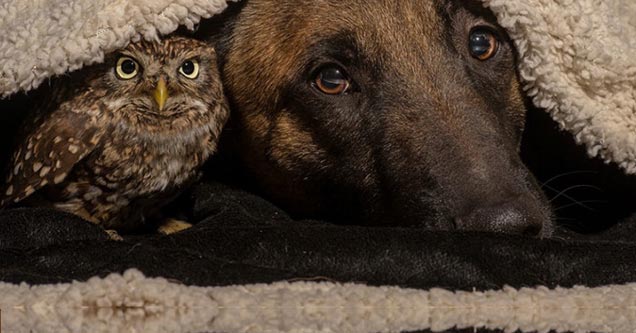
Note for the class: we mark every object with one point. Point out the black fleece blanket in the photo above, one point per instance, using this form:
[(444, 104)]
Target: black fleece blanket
[(240, 238)]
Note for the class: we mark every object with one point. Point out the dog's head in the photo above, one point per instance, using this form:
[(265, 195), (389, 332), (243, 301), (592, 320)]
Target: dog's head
[(383, 111)]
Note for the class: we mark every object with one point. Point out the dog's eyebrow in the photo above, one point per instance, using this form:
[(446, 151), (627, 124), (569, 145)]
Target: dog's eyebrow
[(446, 11), (341, 46)]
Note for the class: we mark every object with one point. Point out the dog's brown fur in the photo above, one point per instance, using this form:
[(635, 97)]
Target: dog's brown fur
[(430, 136)]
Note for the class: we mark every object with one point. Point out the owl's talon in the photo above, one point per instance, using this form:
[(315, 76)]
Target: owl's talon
[(114, 235), (172, 226)]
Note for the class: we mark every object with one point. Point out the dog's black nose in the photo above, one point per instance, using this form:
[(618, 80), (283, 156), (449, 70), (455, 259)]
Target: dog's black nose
[(519, 216)]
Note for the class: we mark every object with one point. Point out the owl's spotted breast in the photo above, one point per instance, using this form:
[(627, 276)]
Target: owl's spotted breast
[(122, 185)]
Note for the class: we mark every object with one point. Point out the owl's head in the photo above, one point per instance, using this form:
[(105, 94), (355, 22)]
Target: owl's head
[(154, 82)]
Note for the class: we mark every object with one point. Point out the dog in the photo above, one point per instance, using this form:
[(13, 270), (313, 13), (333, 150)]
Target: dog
[(379, 112)]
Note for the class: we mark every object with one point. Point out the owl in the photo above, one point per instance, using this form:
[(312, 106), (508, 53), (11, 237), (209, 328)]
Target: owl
[(117, 141)]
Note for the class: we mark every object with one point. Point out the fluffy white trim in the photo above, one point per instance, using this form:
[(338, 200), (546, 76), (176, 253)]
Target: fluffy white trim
[(578, 59), (42, 38), (134, 303)]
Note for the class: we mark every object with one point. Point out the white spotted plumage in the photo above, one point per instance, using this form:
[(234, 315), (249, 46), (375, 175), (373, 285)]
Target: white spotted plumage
[(103, 149)]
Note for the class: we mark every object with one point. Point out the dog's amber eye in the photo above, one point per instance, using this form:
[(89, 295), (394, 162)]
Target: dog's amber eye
[(332, 80), (483, 43)]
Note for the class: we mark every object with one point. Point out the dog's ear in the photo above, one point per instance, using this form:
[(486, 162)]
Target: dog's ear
[(218, 29)]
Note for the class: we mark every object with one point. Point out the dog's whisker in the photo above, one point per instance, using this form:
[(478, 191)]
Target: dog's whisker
[(574, 187), (563, 194), (578, 172), (582, 204)]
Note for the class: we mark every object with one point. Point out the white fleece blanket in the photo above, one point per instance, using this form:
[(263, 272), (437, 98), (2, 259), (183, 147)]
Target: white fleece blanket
[(577, 58), (134, 303)]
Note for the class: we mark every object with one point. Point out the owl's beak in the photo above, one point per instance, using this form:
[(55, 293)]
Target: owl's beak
[(161, 94)]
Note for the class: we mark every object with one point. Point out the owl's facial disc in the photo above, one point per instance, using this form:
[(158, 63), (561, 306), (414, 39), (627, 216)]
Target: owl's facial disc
[(161, 93), (162, 82)]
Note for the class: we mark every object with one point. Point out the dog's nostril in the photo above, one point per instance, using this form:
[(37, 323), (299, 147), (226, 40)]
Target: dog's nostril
[(512, 217)]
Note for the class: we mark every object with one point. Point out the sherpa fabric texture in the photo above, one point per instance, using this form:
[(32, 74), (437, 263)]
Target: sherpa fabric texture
[(578, 60), (43, 38), (134, 303), (577, 57)]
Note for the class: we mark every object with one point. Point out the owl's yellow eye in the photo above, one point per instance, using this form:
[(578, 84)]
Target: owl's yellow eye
[(127, 68), (190, 69)]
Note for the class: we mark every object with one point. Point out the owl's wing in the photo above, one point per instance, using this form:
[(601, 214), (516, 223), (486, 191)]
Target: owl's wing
[(54, 145)]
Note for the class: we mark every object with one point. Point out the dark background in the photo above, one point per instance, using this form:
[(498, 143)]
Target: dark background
[(586, 194)]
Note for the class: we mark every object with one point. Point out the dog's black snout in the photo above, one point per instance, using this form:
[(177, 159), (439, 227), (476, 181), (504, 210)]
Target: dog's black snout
[(519, 216)]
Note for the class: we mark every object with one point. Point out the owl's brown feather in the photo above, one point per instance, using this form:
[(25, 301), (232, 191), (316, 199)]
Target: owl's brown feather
[(104, 149), (59, 141)]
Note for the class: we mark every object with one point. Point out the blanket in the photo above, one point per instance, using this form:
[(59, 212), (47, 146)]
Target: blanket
[(134, 303), (247, 267), (578, 61)]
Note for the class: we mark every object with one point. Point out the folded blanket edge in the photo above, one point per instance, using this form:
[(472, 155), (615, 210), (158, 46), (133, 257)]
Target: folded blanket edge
[(25, 65), (120, 301)]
